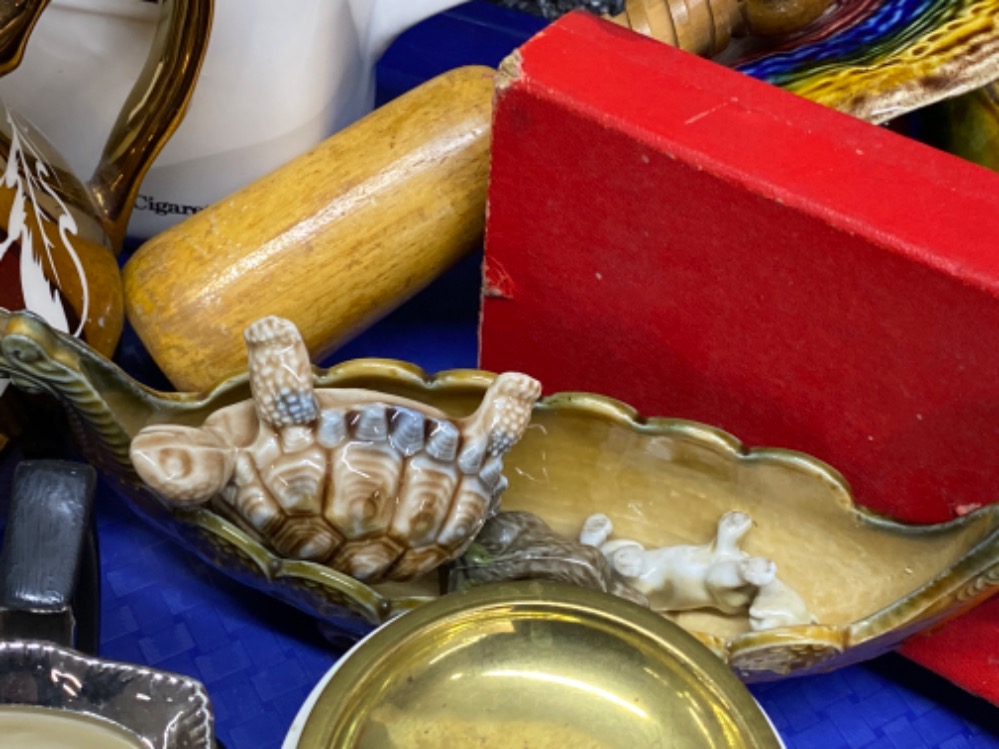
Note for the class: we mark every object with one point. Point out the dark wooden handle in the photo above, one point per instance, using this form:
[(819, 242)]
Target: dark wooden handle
[(44, 543)]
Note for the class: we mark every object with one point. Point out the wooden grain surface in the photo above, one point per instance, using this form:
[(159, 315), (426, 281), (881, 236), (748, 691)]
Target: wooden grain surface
[(331, 241)]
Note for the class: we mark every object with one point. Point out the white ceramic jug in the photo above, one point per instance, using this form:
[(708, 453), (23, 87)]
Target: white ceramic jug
[(278, 78)]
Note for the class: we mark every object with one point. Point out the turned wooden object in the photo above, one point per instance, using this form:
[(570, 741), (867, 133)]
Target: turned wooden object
[(331, 241), (705, 27)]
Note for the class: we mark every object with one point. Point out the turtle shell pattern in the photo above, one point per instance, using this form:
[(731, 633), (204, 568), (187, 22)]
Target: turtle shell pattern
[(375, 486)]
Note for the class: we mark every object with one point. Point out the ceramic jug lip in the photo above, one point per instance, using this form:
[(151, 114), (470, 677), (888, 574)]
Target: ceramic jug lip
[(143, 10)]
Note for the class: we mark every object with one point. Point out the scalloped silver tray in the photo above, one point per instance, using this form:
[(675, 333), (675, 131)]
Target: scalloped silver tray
[(50, 695)]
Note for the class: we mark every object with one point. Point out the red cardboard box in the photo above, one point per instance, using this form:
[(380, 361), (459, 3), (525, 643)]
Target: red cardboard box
[(703, 245)]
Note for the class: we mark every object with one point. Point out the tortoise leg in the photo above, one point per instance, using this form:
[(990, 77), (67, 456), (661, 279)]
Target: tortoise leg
[(503, 415), (280, 373)]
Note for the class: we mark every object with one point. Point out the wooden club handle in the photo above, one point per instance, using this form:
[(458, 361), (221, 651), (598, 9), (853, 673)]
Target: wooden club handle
[(331, 241), (705, 27)]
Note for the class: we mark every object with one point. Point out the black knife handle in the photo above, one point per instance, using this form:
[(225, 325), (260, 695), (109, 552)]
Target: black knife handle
[(44, 543)]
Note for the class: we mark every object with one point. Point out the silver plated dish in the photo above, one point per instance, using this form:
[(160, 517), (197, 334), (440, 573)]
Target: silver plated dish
[(51, 696)]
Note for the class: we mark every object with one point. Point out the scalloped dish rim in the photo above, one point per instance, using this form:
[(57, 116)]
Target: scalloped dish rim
[(39, 357), (381, 607)]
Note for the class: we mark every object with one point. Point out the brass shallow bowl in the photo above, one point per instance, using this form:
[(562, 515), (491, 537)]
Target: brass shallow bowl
[(870, 581), (535, 664)]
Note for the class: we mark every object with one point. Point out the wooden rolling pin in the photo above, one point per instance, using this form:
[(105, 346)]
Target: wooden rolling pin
[(331, 241)]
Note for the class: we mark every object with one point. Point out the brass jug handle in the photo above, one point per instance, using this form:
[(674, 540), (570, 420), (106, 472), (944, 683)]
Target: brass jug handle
[(17, 19), (152, 111)]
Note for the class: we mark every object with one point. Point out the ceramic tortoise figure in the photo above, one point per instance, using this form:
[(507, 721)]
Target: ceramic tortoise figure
[(375, 486)]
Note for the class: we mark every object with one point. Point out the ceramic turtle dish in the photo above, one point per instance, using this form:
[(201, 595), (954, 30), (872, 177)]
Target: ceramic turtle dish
[(375, 486)]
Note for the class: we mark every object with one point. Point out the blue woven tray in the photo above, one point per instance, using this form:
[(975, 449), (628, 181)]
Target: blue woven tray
[(260, 659)]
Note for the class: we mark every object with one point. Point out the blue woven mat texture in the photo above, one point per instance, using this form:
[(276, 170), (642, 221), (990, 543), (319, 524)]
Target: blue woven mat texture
[(260, 659)]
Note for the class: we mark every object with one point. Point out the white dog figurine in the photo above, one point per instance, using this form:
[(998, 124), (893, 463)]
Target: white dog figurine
[(716, 575)]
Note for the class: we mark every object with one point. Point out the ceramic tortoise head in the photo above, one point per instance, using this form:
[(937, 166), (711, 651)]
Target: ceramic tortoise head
[(375, 486)]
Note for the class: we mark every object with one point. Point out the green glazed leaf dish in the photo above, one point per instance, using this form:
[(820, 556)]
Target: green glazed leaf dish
[(869, 581)]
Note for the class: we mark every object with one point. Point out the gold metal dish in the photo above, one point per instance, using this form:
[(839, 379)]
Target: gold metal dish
[(870, 581), (536, 664)]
